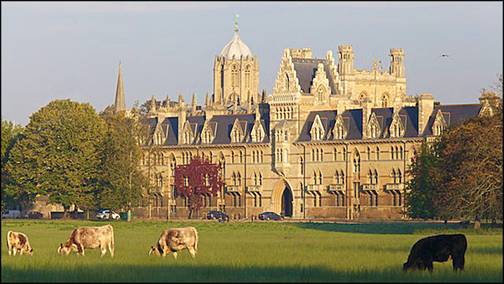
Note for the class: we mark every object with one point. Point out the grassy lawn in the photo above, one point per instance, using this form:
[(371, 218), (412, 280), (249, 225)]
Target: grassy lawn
[(279, 252)]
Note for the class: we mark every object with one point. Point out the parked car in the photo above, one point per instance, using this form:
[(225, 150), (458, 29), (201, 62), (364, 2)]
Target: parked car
[(107, 214), (217, 215), (270, 216), (11, 214), (34, 215)]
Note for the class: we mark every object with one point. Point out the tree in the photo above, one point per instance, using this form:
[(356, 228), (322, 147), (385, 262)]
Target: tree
[(10, 135), (121, 181), (57, 155), (472, 168), (421, 189), (197, 179)]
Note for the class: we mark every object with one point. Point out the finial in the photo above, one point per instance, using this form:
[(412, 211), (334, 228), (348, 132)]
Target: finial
[(236, 23)]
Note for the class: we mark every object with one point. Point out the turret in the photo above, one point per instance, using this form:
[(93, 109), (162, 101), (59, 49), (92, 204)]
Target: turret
[(397, 62), (345, 59)]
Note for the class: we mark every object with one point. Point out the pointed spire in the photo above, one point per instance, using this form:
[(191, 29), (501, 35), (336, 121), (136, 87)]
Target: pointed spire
[(167, 101), (263, 96), (207, 100), (193, 104), (152, 104), (120, 104)]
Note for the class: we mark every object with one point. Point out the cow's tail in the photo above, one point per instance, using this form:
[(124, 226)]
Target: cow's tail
[(195, 238)]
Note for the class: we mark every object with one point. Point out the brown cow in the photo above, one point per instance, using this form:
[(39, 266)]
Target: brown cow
[(18, 242), (89, 237), (176, 239)]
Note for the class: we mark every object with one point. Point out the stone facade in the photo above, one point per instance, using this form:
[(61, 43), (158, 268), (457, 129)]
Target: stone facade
[(330, 141)]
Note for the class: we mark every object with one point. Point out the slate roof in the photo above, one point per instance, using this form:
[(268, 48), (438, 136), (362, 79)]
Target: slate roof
[(453, 114), (306, 70), (351, 118)]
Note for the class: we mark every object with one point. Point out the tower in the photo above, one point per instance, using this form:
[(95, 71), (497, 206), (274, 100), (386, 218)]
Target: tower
[(397, 62), (120, 104), (236, 74), (345, 59)]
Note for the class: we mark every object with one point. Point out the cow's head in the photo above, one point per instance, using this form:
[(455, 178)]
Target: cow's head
[(66, 249), (414, 265), (154, 250), (29, 250)]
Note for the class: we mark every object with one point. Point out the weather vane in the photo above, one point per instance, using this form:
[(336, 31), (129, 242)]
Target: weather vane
[(236, 22)]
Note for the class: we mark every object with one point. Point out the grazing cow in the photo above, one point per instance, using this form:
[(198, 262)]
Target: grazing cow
[(89, 237), (438, 248), (18, 242), (176, 239)]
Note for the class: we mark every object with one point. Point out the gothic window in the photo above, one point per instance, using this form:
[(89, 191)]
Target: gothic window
[(260, 179), (241, 156), (439, 124), (232, 157), (392, 153), (368, 153), (234, 76), (317, 130), (400, 152), (320, 178), (399, 176), (247, 76), (377, 153), (337, 177), (370, 176), (314, 177), (342, 177), (356, 162), (373, 127), (320, 93), (396, 127), (385, 100), (344, 154), (375, 177), (286, 82)]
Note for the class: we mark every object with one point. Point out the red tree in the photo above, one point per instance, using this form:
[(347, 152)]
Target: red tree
[(197, 179)]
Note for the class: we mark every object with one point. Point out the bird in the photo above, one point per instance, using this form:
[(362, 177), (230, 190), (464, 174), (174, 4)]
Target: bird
[(445, 55)]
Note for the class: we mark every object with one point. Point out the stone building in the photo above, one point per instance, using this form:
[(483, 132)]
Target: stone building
[(330, 141)]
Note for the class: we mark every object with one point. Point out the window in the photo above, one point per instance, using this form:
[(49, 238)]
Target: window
[(247, 76), (234, 76), (368, 153), (377, 153)]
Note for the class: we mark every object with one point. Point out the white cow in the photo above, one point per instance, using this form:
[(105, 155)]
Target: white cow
[(176, 239), (89, 237)]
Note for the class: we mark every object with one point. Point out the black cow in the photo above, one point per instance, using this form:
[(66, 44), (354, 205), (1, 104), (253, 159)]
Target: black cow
[(437, 248)]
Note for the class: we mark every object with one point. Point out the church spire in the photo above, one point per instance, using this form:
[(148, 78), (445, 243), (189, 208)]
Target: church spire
[(236, 23), (120, 104)]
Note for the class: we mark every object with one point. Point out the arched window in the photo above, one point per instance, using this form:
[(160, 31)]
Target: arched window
[(385, 100), (375, 177), (320, 177), (399, 176), (400, 152), (247, 76), (368, 153), (370, 176), (392, 153), (394, 176), (234, 76), (377, 153)]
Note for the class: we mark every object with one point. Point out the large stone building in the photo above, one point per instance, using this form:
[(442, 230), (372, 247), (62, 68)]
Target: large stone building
[(330, 141)]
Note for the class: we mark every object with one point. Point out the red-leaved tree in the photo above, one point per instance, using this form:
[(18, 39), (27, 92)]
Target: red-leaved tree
[(197, 179)]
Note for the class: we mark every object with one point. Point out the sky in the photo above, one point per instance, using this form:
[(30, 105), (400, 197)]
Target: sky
[(58, 50)]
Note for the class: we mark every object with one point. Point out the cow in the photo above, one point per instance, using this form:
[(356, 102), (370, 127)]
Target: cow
[(17, 241), (176, 239), (438, 248), (89, 237)]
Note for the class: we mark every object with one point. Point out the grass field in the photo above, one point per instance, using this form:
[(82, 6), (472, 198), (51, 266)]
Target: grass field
[(280, 252)]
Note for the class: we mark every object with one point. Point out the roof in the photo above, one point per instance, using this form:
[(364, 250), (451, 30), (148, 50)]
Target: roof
[(236, 48), (454, 115), (306, 70)]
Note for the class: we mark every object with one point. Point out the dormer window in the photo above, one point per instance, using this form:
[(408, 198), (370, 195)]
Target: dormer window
[(236, 132), (317, 131), (339, 131), (439, 124), (373, 127), (396, 127)]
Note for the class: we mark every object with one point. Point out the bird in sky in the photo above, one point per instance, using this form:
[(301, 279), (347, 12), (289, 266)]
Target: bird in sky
[(445, 55)]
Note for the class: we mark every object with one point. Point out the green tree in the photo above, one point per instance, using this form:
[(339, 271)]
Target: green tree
[(57, 155), (421, 189), (121, 181), (10, 135)]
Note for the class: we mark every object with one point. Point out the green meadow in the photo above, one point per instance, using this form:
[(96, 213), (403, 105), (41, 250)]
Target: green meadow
[(250, 252)]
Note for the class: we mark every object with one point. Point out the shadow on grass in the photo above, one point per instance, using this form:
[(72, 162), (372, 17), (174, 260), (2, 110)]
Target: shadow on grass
[(390, 228), (192, 273)]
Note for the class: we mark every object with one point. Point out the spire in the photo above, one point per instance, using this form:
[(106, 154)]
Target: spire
[(236, 23), (152, 104), (207, 100), (120, 104), (193, 104)]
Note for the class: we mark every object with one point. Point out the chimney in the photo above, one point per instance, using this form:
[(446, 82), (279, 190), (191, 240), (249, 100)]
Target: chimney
[(425, 109), (182, 115), (367, 106)]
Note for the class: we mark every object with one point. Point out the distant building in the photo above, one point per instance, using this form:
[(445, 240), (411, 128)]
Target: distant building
[(330, 141)]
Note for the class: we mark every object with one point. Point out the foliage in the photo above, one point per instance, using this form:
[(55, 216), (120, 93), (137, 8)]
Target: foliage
[(121, 181), (57, 155), (420, 190), (196, 179), (472, 169), (10, 135)]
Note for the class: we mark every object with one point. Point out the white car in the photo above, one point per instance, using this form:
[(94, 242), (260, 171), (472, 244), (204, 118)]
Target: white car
[(106, 214)]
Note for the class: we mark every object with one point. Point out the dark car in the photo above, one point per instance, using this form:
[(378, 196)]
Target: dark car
[(217, 215), (34, 215), (270, 216)]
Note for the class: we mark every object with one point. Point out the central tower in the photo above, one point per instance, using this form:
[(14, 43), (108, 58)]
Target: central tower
[(236, 75)]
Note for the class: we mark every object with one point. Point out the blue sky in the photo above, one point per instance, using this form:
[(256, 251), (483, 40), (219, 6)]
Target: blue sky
[(53, 50)]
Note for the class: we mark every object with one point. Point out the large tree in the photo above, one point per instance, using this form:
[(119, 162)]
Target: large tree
[(197, 179), (472, 169), (57, 155), (420, 190), (10, 135), (121, 181)]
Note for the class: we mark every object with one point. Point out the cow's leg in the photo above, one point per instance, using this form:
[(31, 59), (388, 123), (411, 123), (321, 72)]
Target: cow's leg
[(458, 262), (192, 252), (175, 254), (14, 251), (21, 251), (80, 249), (111, 249), (9, 247), (103, 250)]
